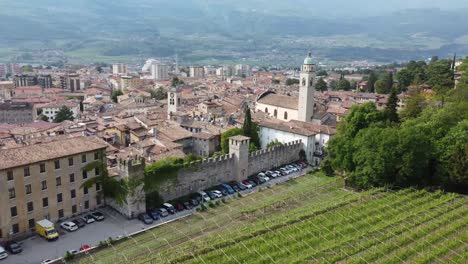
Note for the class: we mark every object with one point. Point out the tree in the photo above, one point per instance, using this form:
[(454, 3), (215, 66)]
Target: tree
[(27, 68), (380, 87), (290, 81), (250, 129), (371, 82), (321, 85), (99, 69), (115, 94), (159, 94), (63, 114), (274, 143), (344, 85), (111, 187), (322, 73), (44, 118), (440, 75), (405, 79), (333, 85), (415, 104), (176, 81), (388, 80), (275, 81), (225, 138), (391, 108)]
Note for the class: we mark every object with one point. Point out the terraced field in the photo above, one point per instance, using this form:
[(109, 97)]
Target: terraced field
[(311, 219)]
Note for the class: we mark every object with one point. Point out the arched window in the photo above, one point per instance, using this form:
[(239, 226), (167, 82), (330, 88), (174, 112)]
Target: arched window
[(285, 115), (275, 113), (266, 109), (303, 81)]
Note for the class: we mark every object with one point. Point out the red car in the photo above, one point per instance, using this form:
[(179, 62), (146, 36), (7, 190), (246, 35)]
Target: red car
[(84, 248)]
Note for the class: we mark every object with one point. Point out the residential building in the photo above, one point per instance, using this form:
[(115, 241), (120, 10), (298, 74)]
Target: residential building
[(17, 113), (25, 80), (71, 82), (129, 82), (43, 181), (160, 71), (196, 72), (50, 110), (119, 69)]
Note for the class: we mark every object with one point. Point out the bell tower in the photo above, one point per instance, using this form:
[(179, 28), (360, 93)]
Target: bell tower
[(173, 101), (306, 90)]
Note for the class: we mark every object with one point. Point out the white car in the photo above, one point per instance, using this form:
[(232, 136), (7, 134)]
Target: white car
[(262, 175), (3, 253), (247, 184), (217, 193), (204, 196), (88, 219), (47, 261), (69, 226)]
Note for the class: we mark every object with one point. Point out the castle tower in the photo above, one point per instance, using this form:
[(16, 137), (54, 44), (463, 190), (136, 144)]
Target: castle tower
[(306, 90), (239, 147), (173, 101)]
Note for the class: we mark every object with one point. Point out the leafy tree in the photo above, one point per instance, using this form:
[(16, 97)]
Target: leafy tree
[(321, 85), (27, 68), (112, 188), (333, 85), (391, 108), (290, 81), (388, 80), (176, 81), (225, 138), (380, 87), (322, 73), (405, 79), (99, 69), (115, 94), (274, 81), (415, 104), (344, 85), (44, 118), (274, 143), (63, 114), (250, 129), (159, 94), (371, 82), (440, 75)]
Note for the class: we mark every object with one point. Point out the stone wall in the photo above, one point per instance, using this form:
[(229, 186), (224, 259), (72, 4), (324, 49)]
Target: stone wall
[(266, 159), (198, 176)]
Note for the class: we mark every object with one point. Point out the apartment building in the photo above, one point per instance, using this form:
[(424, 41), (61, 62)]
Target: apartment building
[(197, 72), (119, 69), (17, 113), (43, 181), (160, 71)]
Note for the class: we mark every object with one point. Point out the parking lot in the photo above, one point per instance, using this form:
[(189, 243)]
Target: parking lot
[(37, 249)]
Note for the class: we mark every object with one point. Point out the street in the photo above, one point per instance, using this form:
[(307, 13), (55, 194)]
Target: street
[(37, 249)]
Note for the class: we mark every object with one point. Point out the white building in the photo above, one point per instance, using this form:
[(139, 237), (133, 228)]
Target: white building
[(242, 69), (50, 110), (119, 69), (196, 72), (160, 71), (292, 117)]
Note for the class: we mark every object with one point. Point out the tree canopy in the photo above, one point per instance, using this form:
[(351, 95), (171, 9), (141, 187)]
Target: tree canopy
[(321, 85), (63, 114), (115, 94), (159, 94)]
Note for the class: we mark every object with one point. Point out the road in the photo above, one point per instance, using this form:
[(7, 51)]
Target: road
[(37, 249)]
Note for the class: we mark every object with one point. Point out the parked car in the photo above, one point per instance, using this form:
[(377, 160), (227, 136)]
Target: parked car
[(234, 185), (263, 176), (169, 207), (218, 193), (257, 180), (212, 195), (84, 247), (252, 183), (153, 213), (69, 226), (242, 187), (12, 246), (271, 174), (179, 207), (247, 184), (88, 219), (98, 216), (187, 205), (284, 171), (162, 212), (79, 222), (145, 218), (47, 261), (278, 173), (3, 253), (194, 202), (228, 188), (204, 196)]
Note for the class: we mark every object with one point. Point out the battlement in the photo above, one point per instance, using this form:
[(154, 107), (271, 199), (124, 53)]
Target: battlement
[(286, 146), (210, 161)]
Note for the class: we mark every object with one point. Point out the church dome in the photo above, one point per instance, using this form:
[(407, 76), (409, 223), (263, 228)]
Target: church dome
[(308, 59)]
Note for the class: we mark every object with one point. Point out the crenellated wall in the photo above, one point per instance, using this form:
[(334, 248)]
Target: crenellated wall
[(238, 165), (266, 159), (199, 175)]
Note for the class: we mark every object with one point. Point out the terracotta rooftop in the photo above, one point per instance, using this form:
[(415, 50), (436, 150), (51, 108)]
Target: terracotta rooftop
[(15, 157), (298, 127), (284, 101)]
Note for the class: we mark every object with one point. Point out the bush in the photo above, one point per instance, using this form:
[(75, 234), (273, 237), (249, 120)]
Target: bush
[(203, 207), (211, 204), (218, 203), (239, 195), (68, 256)]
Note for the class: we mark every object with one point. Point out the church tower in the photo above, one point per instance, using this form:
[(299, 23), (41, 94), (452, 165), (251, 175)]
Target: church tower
[(306, 90), (173, 101)]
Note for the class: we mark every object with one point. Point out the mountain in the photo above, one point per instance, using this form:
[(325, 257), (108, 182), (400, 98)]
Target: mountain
[(231, 30)]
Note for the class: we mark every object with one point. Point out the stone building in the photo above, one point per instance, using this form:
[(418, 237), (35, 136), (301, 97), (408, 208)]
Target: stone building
[(43, 181), (17, 112)]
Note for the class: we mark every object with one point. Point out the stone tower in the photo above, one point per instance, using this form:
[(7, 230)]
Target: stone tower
[(239, 148), (306, 90), (173, 101)]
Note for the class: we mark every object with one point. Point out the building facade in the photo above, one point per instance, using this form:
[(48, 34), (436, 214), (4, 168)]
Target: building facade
[(160, 71), (306, 90), (119, 68), (196, 72), (17, 113), (43, 182)]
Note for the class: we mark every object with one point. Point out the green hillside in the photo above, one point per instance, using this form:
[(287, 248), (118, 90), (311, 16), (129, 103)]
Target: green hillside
[(309, 220)]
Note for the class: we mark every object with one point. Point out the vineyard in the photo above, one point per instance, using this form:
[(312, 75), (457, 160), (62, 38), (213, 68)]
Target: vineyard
[(311, 219)]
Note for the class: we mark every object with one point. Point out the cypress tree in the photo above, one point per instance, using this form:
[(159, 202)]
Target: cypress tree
[(391, 108)]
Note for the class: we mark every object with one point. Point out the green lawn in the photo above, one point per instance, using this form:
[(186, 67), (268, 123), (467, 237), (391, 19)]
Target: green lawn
[(310, 219)]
